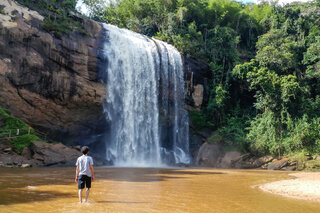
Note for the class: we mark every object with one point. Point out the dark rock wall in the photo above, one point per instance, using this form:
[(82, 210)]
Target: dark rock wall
[(50, 83)]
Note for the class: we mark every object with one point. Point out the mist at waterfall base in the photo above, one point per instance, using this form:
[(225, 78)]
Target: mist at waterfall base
[(145, 109)]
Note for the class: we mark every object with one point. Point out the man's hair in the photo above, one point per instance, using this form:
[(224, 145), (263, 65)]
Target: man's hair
[(85, 150)]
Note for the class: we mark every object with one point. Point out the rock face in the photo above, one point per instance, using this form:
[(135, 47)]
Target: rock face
[(278, 164), (50, 83), (52, 154), (55, 84), (39, 154), (229, 159), (208, 155), (197, 75)]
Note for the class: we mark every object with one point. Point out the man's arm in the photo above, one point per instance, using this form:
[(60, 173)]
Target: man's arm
[(77, 174), (92, 172)]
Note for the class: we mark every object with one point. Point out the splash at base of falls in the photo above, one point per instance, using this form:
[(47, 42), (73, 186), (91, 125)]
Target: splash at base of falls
[(145, 101)]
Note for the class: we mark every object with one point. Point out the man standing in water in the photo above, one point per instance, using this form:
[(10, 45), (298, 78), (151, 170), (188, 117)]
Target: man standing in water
[(84, 172)]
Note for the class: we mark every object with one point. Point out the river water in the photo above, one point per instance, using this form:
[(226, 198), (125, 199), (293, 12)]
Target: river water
[(146, 190)]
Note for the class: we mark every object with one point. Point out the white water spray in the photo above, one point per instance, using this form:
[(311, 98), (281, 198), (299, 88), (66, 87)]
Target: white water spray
[(145, 88)]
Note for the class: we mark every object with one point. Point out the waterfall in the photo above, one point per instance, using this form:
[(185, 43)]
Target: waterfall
[(145, 101)]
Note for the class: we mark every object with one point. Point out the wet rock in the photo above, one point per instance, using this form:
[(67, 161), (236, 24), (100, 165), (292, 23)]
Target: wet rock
[(7, 150), (205, 133), (1, 164), (77, 147), (195, 143), (289, 168), (26, 152), (262, 160), (54, 154), (197, 95), (292, 163), (208, 155), (25, 165), (278, 164), (182, 165), (38, 157), (229, 159)]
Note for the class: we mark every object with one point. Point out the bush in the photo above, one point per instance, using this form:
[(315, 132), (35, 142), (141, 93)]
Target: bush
[(11, 122), (198, 119), (233, 132), (262, 135), (297, 135), (304, 135), (57, 19), (23, 141)]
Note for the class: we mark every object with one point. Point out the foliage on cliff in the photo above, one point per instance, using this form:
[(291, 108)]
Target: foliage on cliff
[(19, 132), (265, 60), (58, 18)]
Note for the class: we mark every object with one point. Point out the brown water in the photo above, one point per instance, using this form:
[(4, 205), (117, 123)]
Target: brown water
[(146, 190)]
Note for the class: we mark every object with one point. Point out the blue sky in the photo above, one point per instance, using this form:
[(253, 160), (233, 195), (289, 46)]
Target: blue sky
[(246, 1), (279, 1)]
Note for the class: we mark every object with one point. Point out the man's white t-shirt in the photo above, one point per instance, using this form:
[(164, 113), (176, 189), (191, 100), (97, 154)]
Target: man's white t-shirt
[(84, 162)]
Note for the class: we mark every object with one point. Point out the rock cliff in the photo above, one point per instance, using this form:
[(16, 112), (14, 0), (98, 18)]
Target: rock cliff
[(54, 83)]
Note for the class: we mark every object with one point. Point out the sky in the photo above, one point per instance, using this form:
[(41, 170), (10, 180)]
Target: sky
[(280, 1)]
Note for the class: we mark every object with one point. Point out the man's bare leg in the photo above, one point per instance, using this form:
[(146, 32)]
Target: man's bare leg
[(87, 195), (80, 195)]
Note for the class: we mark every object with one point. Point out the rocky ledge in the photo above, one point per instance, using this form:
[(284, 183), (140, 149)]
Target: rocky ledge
[(40, 154), (212, 155)]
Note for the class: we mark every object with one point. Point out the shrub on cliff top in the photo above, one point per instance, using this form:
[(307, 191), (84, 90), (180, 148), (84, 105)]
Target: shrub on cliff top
[(57, 17)]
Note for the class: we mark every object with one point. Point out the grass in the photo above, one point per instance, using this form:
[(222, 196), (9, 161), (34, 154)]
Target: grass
[(302, 161), (23, 141), (3, 12), (57, 19), (10, 123)]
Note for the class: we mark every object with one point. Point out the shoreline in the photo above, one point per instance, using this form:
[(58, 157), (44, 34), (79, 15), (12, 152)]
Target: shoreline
[(303, 186)]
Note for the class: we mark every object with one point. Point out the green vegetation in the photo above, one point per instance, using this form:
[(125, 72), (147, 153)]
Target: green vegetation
[(10, 122), (2, 12), (8, 127), (265, 61), (57, 15), (22, 141)]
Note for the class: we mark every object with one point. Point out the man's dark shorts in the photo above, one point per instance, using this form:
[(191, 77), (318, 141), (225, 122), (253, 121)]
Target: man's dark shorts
[(84, 180)]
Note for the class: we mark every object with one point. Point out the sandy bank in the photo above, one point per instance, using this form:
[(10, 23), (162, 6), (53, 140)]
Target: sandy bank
[(304, 186)]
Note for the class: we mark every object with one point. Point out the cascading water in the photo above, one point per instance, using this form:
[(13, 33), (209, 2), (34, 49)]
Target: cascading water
[(145, 101)]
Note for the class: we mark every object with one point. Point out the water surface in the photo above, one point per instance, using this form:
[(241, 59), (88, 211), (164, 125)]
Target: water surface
[(146, 190)]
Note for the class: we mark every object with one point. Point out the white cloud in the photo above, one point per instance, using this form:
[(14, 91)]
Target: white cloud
[(81, 7)]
